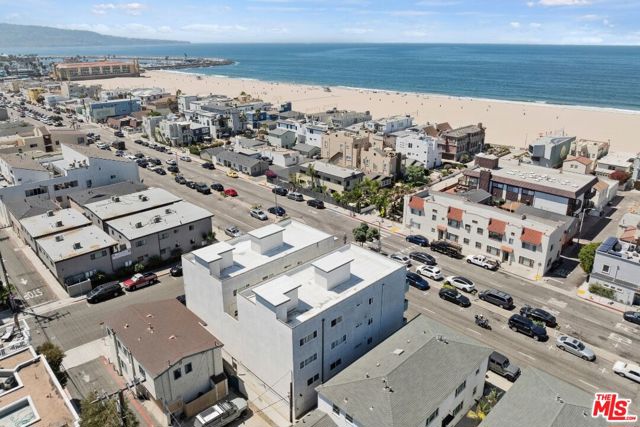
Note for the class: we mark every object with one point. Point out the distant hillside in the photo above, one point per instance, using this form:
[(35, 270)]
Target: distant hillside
[(20, 36)]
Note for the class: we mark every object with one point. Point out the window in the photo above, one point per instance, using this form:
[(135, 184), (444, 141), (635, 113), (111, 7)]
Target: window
[(309, 359), (338, 341), (313, 379), (477, 371), (453, 223), (140, 243), (371, 300), (113, 177), (510, 241), (188, 368), (432, 417), (467, 228), (461, 388), (480, 231), (475, 389), (529, 246), (177, 374), (336, 410), (143, 374), (335, 321), (452, 237), (370, 321), (525, 261), (335, 364), (457, 409), (605, 269), (308, 338), (348, 418), (369, 340), (191, 228), (478, 245), (495, 236), (433, 217), (493, 251), (164, 236)]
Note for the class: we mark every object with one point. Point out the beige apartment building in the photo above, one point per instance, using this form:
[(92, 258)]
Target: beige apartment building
[(68, 71), (41, 139)]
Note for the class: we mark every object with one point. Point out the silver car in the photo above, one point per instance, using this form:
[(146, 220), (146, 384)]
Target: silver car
[(575, 347), (403, 259)]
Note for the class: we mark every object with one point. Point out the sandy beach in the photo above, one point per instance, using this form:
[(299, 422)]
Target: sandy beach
[(507, 122)]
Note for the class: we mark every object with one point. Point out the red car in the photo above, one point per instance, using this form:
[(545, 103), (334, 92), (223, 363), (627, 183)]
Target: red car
[(231, 192), (270, 174), (139, 280)]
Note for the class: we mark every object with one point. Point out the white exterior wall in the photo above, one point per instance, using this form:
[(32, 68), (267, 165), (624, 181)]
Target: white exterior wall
[(19, 176), (423, 149), (551, 203)]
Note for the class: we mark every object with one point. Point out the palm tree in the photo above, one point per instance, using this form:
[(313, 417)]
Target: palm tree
[(311, 173), (484, 406)]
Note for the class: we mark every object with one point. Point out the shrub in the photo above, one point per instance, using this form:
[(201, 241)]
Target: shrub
[(598, 289), (586, 256), (138, 268)]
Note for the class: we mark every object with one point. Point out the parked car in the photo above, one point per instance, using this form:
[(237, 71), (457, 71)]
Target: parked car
[(417, 239), (232, 231), (104, 292), (173, 169), (315, 203), (139, 280), (539, 315), (231, 192), (176, 270), (119, 134), (483, 261), (232, 174), (171, 162), (295, 196), (270, 174), (160, 171), (431, 271), (277, 211), (452, 295), (258, 213), (120, 153), (500, 364), (423, 258), (191, 184), (526, 326), (102, 146), (575, 347), (280, 191), (155, 161), (221, 414), (401, 258), (461, 283), (627, 370), (632, 316), (185, 158), (208, 165), (417, 282), (496, 297), (142, 163), (138, 141), (203, 188), (180, 179), (447, 248), (217, 187)]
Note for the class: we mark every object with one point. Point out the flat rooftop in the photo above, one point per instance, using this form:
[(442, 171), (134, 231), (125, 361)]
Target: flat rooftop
[(117, 206), (159, 219), (295, 236), (93, 64), (618, 158), (552, 140), (22, 161), (332, 170), (463, 131), (313, 298), (90, 239), (54, 222), (96, 194)]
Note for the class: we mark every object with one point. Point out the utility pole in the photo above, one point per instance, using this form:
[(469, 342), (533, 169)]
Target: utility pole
[(5, 277)]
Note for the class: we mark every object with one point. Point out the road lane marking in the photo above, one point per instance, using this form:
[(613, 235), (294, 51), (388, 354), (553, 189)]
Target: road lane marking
[(619, 339), (628, 329), (588, 384), (526, 355), (473, 330), (557, 303), (554, 312)]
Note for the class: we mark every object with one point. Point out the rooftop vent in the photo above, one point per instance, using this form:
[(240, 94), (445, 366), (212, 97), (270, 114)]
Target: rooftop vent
[(58, 223), (168, 211), (138, 225), (77, 245), (49, 213), (442, 338), (398, 351), (157, 219), (59, 238), (115, 198)]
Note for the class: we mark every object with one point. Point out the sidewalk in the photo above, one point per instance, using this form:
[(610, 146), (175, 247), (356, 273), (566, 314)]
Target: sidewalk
[(583, 293)]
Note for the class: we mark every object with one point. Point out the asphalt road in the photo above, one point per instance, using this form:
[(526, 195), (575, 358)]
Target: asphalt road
[(598, 327)]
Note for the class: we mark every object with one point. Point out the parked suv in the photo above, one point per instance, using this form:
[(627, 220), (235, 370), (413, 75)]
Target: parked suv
[(526, 326), (497, 297), (280, 191), (499, 363), (203, 188), (447, 248), (295, 196), (104, 292)]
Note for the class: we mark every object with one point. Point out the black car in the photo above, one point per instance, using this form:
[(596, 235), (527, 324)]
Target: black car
[(417, 281), (160, 148), (139, 156), (176, 270), (496, 297), (160, 171), (203, 188), (632, 316), (280, 191), (447, 248), (142, 163), (277, 211), (191, 184), (217, 186), (452, 295), (539, 315), (138, 141), (173, 169), (314, 203), (119, 134), (423, 257), (180, 180), (417, 239), (104, 292), (526, 326), (155, 161), (208, 165)]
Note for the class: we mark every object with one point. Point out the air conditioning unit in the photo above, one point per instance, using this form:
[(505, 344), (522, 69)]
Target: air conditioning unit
[(77, 245), (59, 224), (138, 225), (115, 198), (59, 238), (49, 213)]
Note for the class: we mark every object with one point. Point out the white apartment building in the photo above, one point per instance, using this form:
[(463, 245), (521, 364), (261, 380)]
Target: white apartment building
[(390, 124), (526, 242), (615, 161), (420, 147), (293, 307)]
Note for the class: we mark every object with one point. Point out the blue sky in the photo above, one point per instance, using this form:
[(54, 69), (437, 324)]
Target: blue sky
[(454, 21)]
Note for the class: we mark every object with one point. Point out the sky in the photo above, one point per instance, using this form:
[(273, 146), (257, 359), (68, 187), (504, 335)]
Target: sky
[(606, 22)]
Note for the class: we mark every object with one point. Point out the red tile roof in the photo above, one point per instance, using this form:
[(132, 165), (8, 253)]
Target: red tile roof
[(529, 235), (442, 227), (455, 214), (416, 203), (629, 235), (497, 226), (583, 160)]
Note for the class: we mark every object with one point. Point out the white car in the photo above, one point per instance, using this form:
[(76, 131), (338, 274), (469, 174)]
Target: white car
[(461, 283), (403, 259), (185, 158), (131, 157), (171, 162), (483, 261), (627, 370), (102, 145), (258, 214), (431, 271)]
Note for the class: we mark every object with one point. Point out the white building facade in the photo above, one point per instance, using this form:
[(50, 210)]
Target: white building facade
[(420, 147)]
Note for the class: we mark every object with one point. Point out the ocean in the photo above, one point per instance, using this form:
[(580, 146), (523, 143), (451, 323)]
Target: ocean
[(596, 76)]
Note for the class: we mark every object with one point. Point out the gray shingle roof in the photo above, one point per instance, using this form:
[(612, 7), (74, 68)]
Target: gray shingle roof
[(538, 399), (315, 418), (96, 194), (384, 388), (238, 158)]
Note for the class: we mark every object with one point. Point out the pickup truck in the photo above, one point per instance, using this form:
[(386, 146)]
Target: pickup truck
[(221, 414), (139, 280), (483, 261)]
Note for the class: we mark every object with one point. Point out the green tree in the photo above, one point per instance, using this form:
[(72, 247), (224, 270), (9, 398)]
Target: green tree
[(154, 113), (586, 255), (54, 356), (138, 268), (360, 233), (373, 234), (416, 176), (105, 413), (484, 406)]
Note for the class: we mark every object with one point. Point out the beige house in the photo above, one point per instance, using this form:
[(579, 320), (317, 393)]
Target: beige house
[(41, 139), (580, 164), (593, 150), (167, 348), (334, 178)]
